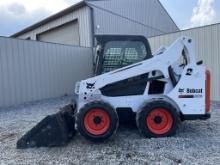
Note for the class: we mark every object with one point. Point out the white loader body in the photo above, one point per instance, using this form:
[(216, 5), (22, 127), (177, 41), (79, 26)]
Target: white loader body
[(188, 94)]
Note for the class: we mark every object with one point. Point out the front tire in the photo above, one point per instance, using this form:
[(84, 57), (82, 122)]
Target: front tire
[(157, 118), (97, 121)]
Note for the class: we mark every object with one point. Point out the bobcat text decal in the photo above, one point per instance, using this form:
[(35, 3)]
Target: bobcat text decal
[(190, 93)]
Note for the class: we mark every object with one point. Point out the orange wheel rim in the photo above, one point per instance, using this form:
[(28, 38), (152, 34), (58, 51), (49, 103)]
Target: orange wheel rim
[(97, 122), (159, 121)]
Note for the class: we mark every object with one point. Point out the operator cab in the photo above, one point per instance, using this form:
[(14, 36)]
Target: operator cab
[(117, 51)]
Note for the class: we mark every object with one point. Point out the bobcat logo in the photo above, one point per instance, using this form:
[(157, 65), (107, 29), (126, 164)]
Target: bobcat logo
[(189, 72), (181, 90), (90, 85)]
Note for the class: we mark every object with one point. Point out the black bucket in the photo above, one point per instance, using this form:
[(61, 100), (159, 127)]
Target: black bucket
[(53, 131)]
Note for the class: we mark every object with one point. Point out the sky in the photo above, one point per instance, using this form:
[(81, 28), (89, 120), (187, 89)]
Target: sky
[(193, 13), (15, 15)]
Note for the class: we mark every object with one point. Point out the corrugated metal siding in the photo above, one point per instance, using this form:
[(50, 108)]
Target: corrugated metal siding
[(139, 17), (33, 70), (83, 16), (207, 48)]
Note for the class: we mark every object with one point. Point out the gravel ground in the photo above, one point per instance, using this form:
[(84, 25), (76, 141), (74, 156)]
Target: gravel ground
[(196, 142)]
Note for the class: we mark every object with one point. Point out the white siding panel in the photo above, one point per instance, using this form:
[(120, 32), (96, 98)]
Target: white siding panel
[(206, 40), (33, 70)]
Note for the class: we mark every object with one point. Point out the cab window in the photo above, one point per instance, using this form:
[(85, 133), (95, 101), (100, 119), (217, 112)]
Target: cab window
[(118, 54)]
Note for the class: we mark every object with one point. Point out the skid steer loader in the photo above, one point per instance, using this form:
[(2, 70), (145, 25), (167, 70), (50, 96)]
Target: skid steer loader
[(158, 90)]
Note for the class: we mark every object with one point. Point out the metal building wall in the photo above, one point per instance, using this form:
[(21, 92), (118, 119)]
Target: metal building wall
[(133, 17), (82, 15), (207, 48), (33, 70)]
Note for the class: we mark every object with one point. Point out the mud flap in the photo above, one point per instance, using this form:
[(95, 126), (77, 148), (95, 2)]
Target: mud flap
[(53, 131)]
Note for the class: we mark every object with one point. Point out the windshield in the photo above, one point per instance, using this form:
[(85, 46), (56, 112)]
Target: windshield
[(118, 54)]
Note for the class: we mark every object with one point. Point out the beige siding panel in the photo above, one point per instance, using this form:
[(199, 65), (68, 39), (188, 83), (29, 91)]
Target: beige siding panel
[(33, 70), (206, 40), (83, 15), (66, 34)]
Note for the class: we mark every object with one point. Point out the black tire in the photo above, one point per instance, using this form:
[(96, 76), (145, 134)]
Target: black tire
[(147, 120), (82, 125)]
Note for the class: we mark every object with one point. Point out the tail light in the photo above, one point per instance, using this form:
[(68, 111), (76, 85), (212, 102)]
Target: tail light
[(208, 91)]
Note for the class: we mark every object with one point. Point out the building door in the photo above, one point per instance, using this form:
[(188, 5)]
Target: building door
[(65, 34)]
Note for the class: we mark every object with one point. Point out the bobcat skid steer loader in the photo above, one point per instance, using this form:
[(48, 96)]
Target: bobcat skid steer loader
[(160, 90)]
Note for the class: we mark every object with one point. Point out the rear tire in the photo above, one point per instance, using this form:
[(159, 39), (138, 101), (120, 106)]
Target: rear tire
[(157, 118), (97, 121)]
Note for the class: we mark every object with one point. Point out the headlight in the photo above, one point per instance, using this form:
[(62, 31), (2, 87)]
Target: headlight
[(77, 86)]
